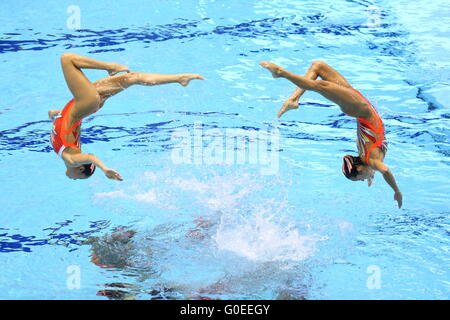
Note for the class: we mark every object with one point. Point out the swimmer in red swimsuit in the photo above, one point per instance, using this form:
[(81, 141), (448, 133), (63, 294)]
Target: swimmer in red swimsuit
[(88, 99), (371, 142)]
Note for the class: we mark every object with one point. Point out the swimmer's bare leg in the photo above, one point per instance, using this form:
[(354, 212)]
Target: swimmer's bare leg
[(345, 97), (317, 69), (84, 92), (109, 86)]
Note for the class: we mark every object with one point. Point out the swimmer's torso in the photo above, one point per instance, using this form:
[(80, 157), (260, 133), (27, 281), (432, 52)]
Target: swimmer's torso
[(370, 134), (65, 133)]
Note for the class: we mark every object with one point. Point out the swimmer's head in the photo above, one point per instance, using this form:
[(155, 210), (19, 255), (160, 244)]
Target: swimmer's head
[(82, 172), (354, 169)]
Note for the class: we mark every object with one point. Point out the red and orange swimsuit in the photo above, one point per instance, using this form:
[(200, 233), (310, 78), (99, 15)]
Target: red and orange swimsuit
[(61, 129), (370, 135)]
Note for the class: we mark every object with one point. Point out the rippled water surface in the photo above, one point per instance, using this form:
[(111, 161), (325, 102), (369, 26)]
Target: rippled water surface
[(236, 231)]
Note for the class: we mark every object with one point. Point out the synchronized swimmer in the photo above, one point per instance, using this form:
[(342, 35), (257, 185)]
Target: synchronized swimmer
[(89, 97), (371, 141)]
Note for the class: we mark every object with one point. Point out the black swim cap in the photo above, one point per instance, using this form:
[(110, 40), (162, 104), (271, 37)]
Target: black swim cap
[(89, 169), (349, 166)]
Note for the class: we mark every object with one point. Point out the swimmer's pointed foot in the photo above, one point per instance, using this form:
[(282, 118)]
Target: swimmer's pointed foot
[(277, 72), (186, 78), (289, 104), (273, 68), (115, 68)]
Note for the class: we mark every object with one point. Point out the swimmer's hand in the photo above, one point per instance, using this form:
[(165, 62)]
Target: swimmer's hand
[(399, 198), (112, 174), (53, 113), (116, 68)]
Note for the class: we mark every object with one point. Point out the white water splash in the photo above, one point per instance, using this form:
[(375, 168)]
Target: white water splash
[(164, 191), (261, 238), (221, 192), (251, 225), (149, 196)]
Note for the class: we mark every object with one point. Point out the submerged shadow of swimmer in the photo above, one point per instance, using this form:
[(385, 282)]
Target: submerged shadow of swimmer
[(115, 251)]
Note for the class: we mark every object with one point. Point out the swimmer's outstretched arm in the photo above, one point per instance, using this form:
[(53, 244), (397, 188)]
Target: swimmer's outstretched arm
[(79, 159), (388, 177)]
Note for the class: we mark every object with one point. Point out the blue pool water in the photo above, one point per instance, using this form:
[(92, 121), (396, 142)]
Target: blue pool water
[(227, 231)]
